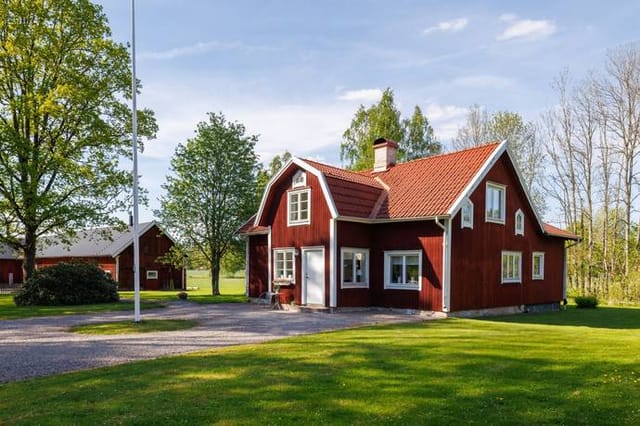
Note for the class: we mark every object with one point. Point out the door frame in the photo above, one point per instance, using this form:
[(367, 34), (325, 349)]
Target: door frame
[(303, 273)]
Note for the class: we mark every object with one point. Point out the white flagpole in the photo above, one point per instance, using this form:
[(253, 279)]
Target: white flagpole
[(134, 124)]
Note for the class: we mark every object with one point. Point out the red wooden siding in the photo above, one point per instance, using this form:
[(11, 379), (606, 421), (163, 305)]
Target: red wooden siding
[(106, 263), (298, 236), (477, 253), (153, 244), (10, 266), (258, 258)]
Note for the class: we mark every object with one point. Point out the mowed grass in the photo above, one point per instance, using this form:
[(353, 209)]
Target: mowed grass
[(232, 290), (130, 327), (571, 367), (8, 309)]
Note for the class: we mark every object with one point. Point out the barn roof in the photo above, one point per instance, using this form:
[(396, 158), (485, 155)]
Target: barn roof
[(95, 242)]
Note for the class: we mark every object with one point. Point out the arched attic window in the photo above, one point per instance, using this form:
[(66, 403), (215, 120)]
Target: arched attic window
[(466, 214), (299, 179), (519, 222)]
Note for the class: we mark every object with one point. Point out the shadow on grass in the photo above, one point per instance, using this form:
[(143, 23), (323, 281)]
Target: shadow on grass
[(624, 318), (409, 374)]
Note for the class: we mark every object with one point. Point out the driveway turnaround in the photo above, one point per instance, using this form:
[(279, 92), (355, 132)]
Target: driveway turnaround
[(43, 346)]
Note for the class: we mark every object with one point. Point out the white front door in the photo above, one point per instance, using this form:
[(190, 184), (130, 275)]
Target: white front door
[(313, 276)]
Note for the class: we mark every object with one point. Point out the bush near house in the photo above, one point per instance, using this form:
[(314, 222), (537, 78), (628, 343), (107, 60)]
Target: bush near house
[(68, 284), (586, 301)]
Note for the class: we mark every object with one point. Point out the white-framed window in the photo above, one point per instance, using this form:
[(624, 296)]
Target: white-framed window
[(299, 203), (495, 204), (519, 222), (299, 179), (152, 275), (537, 265), (466, 215), (511, 267), (403, 269), (355, 267), (284, 265)]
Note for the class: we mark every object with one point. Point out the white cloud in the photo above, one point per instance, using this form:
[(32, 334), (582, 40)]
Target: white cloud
[(363, 95), (445, 119), (199, 48), (526, 29), (483, 81), (453, 25)]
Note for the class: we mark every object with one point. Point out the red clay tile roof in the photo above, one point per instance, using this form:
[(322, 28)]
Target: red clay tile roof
[(557, 232), (429, 186), (249, 228), (426, 187), (354, 194)]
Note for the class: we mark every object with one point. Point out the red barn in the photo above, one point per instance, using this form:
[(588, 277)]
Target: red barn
[(453, 232), (112, 250), (10, 266)]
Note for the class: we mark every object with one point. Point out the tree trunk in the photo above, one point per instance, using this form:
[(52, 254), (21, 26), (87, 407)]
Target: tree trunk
[(29, 262), (215, 276)]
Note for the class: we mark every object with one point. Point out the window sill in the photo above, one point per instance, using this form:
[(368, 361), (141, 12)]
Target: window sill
[(496, 221), (511, 282), (395, 286), (307, 222), (352, 285)]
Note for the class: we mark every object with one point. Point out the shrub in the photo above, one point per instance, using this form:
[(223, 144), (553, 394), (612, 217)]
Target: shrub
[(586, 301), (68, 284)]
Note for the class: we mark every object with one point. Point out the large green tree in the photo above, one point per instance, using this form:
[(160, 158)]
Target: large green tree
[(211, 190), (419, 140), (414, 136), (64, 123)]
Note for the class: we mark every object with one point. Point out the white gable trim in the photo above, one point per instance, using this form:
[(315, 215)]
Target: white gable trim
[(306, 166), (482, 173)]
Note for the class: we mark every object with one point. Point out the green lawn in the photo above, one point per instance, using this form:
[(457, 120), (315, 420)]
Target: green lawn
[(232, 290), (8, 310), (571, 367)]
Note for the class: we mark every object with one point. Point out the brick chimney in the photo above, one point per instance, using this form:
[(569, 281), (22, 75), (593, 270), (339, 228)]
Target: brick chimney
[(384, 154)]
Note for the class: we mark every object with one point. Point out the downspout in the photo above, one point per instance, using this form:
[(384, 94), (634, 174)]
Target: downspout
[(446, 263), (269, 266), (117, 277), (246, 267), (333, 290)]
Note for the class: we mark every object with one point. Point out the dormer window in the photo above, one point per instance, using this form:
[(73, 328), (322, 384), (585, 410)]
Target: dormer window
[(299, 179), (466, 215), (519, 222)]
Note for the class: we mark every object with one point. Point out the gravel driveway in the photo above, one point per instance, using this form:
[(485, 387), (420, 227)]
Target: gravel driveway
[(43, 346)]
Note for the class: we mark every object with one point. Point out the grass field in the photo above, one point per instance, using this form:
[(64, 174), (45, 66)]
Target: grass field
[(571, 367), (232, 290)]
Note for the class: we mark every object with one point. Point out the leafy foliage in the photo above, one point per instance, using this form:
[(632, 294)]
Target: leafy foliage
[(63, 124), (414, 136), (212, 190), (68, 284), (586, 301)]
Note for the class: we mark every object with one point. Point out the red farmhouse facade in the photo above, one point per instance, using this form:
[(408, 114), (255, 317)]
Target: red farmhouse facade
[(453, 232), (112, 250)]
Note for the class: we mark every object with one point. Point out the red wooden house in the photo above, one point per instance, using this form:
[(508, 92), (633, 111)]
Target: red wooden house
[(112, 250), (453, 232)]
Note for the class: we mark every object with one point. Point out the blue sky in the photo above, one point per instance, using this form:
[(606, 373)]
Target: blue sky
[(294, 72)]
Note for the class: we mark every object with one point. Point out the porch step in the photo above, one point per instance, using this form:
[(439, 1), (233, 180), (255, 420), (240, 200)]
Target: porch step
[(314, 308)]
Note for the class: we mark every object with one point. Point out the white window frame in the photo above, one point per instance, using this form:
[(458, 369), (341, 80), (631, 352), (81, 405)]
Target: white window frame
[(497, 187), (468, 204), (286, 251), (299, 179), (519, 230), (352, 283), (512, 257), (298, 221), (534, 255), (152, 275), (387, 270)]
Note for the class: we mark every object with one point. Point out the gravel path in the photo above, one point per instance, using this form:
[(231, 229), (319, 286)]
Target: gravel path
[(43, 346)]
